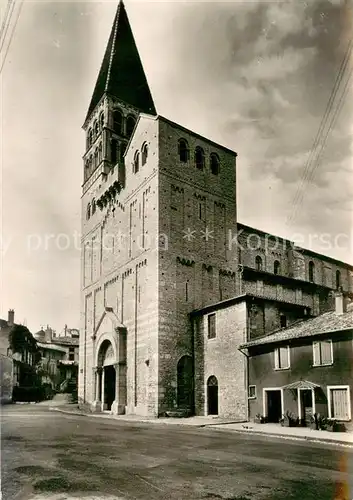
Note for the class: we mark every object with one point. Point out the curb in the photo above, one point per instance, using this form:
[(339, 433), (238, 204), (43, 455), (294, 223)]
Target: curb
[(290, 437), (239, 431)]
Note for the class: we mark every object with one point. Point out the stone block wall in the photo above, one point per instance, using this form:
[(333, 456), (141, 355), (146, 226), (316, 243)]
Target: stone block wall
[(221, 358)]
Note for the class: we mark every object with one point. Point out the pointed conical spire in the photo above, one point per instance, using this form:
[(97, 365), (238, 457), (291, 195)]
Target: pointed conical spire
[(121, 73)]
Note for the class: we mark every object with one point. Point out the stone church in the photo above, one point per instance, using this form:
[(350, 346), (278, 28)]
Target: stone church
[(162, 251)]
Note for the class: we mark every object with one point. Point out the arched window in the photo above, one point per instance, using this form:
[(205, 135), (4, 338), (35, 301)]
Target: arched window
[(88, 211), (338, 280), (100, 152), (144, 152), (199, 158), (130, 125), (118, 122), (101, 121), (311, 271), (96, 129), (93, 206), (183, 150), (122, 151), (96, 158), (90, 137), (258, 263), (136, 165), (214, 163), (114, 151), (276, 267), (91, 162)]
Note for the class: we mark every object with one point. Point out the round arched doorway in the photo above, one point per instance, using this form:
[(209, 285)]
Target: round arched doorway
[(212, 395), (107, 373), (185, 383)]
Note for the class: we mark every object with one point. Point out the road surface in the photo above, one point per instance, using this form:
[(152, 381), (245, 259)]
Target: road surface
[(50, 455)]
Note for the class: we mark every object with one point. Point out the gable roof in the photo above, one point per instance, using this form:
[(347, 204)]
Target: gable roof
[(121, 73), (325, 323)]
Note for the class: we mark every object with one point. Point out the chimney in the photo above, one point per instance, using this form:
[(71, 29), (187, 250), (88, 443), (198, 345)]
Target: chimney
[(340, 303), (11, 317)]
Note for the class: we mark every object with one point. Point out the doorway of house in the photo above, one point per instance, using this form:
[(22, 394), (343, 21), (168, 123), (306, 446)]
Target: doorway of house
[(306, 406), (109, 385), (212, 396), (274, 405)]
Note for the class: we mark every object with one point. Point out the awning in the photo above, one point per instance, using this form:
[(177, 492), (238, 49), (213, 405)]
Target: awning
[(301, 384)]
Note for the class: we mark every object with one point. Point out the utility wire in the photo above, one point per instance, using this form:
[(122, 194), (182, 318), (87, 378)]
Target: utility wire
[(12, 34), (5, 17), (343, 67), (7, 21), (332, 123)]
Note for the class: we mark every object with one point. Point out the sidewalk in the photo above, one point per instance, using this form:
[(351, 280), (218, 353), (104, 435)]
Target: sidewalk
[(294, 433), (226, 425)]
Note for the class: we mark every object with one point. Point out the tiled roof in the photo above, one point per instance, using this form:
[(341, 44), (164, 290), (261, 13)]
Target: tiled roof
[(65, 341), (325, 323)]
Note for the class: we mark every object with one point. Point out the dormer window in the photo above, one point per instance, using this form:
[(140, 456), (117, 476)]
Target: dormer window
[(118, 122), (130, 125), (214, 164), (144, 152), (183, 150), (199, 158), (136, 165)]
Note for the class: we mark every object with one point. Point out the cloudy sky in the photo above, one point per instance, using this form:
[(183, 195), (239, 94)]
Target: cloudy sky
[(254, 76)]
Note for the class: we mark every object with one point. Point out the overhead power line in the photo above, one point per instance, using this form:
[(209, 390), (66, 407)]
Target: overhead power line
[(6, 22), (310, 167), (12, 34)]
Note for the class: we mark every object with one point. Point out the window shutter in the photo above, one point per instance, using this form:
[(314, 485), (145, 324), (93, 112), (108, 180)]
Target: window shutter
[(316, 353), (276, 358), (326, 352), (284, 357)]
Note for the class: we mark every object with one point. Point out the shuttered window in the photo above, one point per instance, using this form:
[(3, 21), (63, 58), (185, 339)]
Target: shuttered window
[(322, 353), (282, 359), (339, 403)]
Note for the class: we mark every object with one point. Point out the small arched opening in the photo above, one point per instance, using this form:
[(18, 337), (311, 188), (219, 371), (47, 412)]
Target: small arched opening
[(183, 150), (144, 152), (130, 125), (311, 271), (199, 158), (214, 163), (258, 263), (118, 122), (212, 395), (338, 280), (276, 267)]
